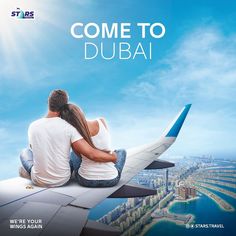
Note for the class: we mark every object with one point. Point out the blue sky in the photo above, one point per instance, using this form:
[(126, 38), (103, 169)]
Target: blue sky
[(193, 63)]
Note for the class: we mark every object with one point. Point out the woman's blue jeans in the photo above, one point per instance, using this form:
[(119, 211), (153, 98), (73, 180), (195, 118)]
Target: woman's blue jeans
[(75, 162)]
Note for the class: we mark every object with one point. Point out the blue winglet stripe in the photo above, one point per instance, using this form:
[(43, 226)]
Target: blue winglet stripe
[(174, 131)]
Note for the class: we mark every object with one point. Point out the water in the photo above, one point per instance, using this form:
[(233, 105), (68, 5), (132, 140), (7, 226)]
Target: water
[(206, 211)]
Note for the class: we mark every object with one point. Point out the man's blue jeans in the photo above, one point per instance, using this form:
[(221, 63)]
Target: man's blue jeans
[(75, 162), (26, 157)]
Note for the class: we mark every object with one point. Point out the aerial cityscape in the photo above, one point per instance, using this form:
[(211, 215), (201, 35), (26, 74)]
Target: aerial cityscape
[(192, 181)]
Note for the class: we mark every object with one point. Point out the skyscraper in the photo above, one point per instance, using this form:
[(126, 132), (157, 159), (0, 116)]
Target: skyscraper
[(166, 180)]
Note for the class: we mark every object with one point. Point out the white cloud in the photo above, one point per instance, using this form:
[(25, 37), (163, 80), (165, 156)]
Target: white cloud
[(202, 65), (203, 133), (201, 70), (13, 137)]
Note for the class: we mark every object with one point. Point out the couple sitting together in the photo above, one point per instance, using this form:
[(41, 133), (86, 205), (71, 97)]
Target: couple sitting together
[(49, 160)]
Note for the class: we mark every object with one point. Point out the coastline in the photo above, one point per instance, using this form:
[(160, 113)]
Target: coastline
[(177, 222), (221, 203), (156, 221), (180, 200)]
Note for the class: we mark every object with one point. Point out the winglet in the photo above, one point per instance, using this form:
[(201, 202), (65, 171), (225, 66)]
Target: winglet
[(133, 190), (174, 128)]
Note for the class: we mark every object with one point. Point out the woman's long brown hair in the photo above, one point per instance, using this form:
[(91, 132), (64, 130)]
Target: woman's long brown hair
[(75, 116)]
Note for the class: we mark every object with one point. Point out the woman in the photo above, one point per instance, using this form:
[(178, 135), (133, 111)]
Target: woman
[(88, 172)]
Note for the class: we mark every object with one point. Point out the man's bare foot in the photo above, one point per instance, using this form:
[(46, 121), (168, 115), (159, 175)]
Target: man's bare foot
[(23, 173)]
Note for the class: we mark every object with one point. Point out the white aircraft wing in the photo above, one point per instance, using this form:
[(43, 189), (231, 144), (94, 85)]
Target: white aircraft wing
[(64, 210)]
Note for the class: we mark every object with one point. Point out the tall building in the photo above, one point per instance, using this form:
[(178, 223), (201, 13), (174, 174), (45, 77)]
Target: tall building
[(165, 200), (191, 191), (131, 202), (186, 192), (182, 192), (166, 184)]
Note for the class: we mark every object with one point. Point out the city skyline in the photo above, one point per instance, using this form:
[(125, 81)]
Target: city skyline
[(193, 63), (192, 180)]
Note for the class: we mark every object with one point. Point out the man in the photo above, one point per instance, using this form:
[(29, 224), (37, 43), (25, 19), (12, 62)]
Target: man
[(50, 139)]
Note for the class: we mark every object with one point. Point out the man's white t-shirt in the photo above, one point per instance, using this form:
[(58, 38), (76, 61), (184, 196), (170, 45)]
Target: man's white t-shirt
[(50, 140)]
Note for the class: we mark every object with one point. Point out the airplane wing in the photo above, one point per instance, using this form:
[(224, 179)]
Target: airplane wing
[(64, 210)]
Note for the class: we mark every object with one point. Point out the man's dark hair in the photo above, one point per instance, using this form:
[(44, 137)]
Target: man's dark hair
[(57, 99)]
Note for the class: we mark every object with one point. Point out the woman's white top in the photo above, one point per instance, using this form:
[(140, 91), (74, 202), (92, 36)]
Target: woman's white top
[(99, 170)]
